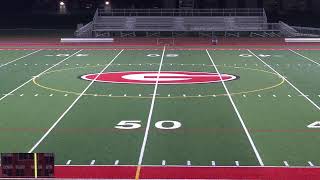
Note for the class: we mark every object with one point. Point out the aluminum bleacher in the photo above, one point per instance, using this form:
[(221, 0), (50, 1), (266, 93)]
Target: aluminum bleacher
[(134, 22), (209, 23)]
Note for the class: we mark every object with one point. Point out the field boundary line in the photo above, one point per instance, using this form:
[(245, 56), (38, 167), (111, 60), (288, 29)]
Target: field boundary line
[(145, 138), (238, 113), (313, 103), (43, 72), (19, 58), (305, 57), (73, 103)]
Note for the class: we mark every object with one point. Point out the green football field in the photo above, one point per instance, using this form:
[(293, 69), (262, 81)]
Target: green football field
[(267, 114)]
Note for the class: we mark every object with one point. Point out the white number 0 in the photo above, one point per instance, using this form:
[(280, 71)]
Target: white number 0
[(175, 125)]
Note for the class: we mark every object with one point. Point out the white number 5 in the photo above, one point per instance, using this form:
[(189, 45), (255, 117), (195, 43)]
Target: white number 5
[(128, 125)]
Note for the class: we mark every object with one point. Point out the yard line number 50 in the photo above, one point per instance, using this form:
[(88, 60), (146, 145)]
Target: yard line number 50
[(135, 124)]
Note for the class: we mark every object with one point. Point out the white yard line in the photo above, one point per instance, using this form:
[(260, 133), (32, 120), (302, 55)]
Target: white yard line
[(19, 58), (151, 111), (313, 103), (73, 103), (304, 57), (38, 75), (238, 113)]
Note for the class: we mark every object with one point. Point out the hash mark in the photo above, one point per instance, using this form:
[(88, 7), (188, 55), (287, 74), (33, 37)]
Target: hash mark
[(68, 162), (213, 163), (116, 162), (163, 162), (286, 163), (92, 162)]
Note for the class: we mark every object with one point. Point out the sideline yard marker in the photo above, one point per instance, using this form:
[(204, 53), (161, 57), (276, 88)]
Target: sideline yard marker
[(286, 163), (92, 162), (213, 163), (238, 113), (73, 103), (313, 103), (145, 138), (163, 162), (237, 163), (189, 163), (68, 162), (310, 163), (116, 162)]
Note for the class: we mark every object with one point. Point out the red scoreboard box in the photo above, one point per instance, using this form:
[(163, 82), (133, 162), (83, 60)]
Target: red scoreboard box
[(27, 165)]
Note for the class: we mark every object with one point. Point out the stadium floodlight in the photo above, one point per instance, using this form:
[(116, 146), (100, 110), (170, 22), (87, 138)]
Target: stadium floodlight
[(107, 3), (62, 3)]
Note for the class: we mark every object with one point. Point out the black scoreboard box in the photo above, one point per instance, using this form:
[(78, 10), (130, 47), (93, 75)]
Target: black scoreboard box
[(27, 165)]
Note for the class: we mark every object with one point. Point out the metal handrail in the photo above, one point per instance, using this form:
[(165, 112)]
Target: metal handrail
[(183, 12)]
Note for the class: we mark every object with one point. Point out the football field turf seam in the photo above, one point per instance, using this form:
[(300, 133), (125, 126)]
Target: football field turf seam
[(43, 72), (305, 96), (145, 138), (237, 112), (19, 58), (73, 103), (305, 57)]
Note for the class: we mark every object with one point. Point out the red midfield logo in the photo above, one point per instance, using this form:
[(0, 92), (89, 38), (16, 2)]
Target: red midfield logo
[(165, 77)]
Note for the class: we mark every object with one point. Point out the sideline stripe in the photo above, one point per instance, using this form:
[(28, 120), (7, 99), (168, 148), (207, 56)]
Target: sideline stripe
[(19, 58), (74, 102), (149, 117), (237, 112), (304, 57), (314, 104), (38, 75)]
